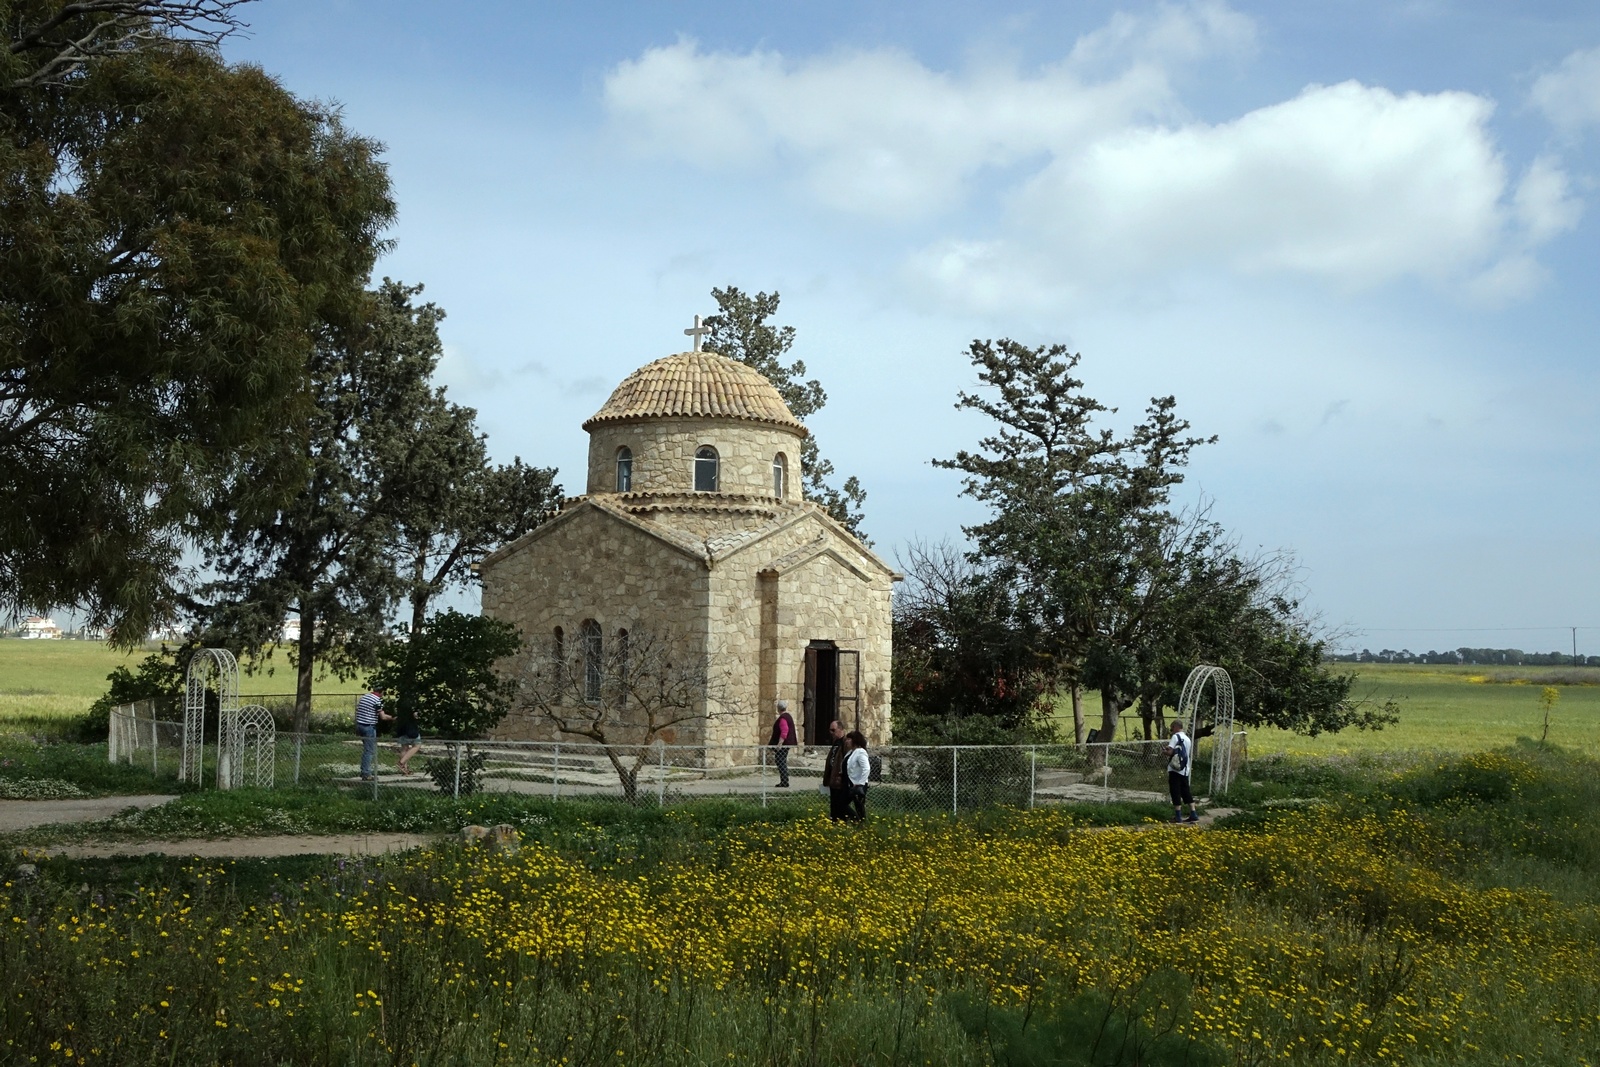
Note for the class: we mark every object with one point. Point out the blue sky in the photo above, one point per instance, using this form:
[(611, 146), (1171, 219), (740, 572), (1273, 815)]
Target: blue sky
[(1357, 240)]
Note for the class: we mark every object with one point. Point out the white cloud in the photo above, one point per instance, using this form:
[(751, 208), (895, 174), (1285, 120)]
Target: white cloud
[(1187, 33), (1544, 205), (877, 133), (1351, 183), (1103, 179), (1570, 95)]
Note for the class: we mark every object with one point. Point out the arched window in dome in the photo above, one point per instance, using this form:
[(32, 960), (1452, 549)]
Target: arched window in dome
[(705, 469), (780, 476), (624, 469)]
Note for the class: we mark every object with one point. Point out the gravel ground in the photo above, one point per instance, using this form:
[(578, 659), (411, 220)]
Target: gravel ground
[(25, 814)]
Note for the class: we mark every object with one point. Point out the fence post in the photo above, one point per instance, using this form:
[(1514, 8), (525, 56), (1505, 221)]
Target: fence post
[(555, 774), (155, 743), (661, 788), (299, 739), (1033, 774), (955, 782), (457, 793), (763, 776)]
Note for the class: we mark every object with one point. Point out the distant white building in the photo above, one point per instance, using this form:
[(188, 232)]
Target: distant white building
[(290, 634), (37, 627)]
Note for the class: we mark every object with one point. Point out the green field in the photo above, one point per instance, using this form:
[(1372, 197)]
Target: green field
[(62, 678), (1449, 709), (1453, 709), (1457, 709)]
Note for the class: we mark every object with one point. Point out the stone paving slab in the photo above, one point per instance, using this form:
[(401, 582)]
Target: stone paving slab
[(25, 814)]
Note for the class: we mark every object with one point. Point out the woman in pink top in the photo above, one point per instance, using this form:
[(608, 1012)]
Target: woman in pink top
[(781, 740)]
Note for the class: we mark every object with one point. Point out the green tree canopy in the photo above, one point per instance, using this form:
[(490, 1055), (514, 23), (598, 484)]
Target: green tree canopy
[(443, 674), (1122, 591), (176, 232), (461, 506), (740, 330), (967, 667), (326, 556)]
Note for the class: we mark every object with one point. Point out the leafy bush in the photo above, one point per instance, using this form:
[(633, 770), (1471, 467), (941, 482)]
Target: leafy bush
[(980, 776), (443, 676), (159, 677), (443, 773), (38, 789)]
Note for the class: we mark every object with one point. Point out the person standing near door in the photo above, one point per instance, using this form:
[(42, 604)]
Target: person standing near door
[(781, 740), (858, 769), (834, 776)]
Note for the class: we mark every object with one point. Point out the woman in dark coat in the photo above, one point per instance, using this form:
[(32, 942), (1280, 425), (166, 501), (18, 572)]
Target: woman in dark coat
[(782, 740)]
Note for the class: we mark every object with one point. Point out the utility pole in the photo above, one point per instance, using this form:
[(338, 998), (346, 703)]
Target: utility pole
[(1574, 646)]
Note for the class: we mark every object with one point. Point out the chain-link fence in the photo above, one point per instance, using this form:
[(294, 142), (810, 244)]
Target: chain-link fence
[(903, 777)]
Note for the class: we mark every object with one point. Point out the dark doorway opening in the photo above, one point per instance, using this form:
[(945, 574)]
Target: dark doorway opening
[(822, 690)]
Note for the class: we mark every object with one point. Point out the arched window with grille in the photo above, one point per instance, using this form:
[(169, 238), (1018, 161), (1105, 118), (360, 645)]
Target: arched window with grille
[(558, 646), (622, 656), (593, 667), (705, 470), (624, 469), (780, 476)]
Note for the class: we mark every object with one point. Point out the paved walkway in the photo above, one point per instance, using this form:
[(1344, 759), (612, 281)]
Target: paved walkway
[(25, 814), (249, 847)]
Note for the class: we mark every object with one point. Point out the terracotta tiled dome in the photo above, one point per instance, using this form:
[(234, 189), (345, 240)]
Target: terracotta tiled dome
[(700, 384)]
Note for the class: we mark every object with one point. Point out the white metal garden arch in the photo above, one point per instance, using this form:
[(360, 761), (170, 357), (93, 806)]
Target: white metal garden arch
[(247, 751), (1222, 713), (210, 668)]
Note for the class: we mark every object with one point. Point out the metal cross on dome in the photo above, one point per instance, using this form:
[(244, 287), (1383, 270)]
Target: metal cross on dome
[(697, 331)]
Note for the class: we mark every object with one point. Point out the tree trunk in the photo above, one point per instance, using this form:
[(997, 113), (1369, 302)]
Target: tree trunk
[(1110, 708), (420, 592), (1150, 713), (305, 669), (1077, 714), (1110, 712)]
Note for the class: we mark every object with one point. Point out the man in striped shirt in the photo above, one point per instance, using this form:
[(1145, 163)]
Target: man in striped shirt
[(369, 710)]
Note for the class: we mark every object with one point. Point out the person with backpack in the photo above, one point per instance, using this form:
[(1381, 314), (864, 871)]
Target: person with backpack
[(781, 741), (1180, 761)]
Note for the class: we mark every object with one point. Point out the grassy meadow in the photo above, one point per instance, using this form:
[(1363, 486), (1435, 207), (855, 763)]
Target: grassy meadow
[(1429, 897), (1427, 912), (1457, 709), (1442, 709), (60, 679)]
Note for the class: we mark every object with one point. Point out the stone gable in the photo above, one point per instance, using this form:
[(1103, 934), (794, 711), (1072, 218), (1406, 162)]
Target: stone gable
[(778, 598)]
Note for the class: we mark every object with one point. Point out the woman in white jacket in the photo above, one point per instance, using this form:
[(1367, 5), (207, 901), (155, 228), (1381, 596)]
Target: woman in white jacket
[(857, 768)]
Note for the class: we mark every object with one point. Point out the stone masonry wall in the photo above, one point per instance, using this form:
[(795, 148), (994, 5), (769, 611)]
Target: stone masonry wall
[(663, 455), (593, 566), (763, 625)]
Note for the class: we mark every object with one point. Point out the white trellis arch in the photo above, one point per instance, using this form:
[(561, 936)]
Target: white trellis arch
[(210, 668), (247, 751), (1222, 726)]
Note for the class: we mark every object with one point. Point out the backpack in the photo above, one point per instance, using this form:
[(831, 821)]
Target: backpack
[(1179, 763)]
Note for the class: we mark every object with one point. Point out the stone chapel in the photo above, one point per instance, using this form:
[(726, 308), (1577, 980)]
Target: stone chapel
[(693, 524)]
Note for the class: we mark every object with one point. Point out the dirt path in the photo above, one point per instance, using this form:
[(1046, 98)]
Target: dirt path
[(249, 847), (25, 814)]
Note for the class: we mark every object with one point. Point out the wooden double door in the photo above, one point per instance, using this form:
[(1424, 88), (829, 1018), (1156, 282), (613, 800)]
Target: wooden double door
[(832, 690)]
